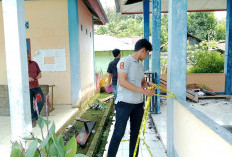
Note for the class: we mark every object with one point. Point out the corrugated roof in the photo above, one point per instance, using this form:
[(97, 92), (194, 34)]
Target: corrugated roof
[(108, 43)]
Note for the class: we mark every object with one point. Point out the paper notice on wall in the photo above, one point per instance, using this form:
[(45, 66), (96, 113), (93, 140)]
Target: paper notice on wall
[(51, 59)]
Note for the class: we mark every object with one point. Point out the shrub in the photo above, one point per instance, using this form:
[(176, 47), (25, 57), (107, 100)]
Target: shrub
[(204, 61)]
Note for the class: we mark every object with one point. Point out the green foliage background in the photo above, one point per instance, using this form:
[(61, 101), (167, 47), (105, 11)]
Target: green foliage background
[(204, 25), (204, 61)]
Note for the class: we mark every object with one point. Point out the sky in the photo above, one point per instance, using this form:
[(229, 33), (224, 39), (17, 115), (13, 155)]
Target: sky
[(110, 3), (220, 14)]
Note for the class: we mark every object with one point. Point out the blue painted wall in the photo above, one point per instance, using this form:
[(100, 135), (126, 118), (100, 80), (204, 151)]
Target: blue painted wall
[(156, 34), (73, 21), (228, 52), (146, 14)]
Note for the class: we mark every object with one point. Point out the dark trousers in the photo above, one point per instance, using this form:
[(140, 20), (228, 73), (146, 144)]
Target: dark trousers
[(123, 112), (36, 93)]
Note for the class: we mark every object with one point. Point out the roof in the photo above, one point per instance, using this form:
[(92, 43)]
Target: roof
[(193, 6), (108, 43), (193, 36), (221, 47), (95, 7)]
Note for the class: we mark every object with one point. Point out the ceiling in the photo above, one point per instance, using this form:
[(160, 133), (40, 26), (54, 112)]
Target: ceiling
[(193, 6)]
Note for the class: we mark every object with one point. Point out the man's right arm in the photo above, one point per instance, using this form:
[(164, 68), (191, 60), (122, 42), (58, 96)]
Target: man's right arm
[(109, 78), (110, 75)]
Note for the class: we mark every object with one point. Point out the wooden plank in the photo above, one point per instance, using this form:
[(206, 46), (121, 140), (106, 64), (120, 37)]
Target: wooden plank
[(189, 94), (106, 99), (192, 96), (216, 96)]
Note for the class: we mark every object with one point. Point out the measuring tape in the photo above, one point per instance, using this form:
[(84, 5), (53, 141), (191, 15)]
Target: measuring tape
[(144, 119), (171, 94), (145, 116)]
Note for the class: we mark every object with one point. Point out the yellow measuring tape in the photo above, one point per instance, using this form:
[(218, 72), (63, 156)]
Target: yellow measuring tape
[(144, 119), (171, 94), (145, 116)]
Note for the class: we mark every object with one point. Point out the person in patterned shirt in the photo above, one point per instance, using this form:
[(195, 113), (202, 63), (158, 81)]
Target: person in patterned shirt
[(35, 90)]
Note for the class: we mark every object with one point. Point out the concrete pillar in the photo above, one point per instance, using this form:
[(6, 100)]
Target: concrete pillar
[(74, 46), (228, 53), (146, 14), (177, 50), (17, 68), (156, 34)]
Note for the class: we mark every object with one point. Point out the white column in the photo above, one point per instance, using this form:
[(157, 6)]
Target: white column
[(17, 67)]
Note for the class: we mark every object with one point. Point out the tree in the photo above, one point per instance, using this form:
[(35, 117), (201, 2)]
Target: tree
[(221, 30), (202, 25), (129, 25), (121, 25), (164, 29)]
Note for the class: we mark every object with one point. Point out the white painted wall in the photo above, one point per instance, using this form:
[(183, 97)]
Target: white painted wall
[(193, 138), (86, 49)]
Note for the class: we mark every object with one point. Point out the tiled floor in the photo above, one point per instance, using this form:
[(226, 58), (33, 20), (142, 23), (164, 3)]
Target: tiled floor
[(156, 147), (60, 115)]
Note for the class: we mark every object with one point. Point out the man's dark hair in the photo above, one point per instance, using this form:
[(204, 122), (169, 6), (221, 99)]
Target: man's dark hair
[(143, 43), (116, 52)]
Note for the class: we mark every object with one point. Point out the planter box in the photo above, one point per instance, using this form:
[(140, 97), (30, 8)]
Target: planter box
[(4, 100)]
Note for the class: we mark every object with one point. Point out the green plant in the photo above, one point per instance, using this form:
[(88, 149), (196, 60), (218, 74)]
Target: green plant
[(203, 59), (51, 146)]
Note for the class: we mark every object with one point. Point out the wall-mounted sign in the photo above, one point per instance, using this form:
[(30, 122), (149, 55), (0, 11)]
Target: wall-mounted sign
[(51, 59)]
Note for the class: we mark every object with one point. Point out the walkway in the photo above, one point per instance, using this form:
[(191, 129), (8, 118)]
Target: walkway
[(151, 139), (60, 115)]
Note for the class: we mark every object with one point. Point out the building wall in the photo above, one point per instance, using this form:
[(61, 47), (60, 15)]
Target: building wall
[(3, 77), (86, 49), (103, 58), (48, 29), (215, 81), (195, 135)]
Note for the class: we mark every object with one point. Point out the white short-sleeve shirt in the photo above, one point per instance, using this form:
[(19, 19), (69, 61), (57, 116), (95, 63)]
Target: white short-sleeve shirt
[(135, 73)]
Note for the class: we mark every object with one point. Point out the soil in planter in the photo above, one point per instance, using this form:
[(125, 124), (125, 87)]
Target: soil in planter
[(104, 136), (90, 114)]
